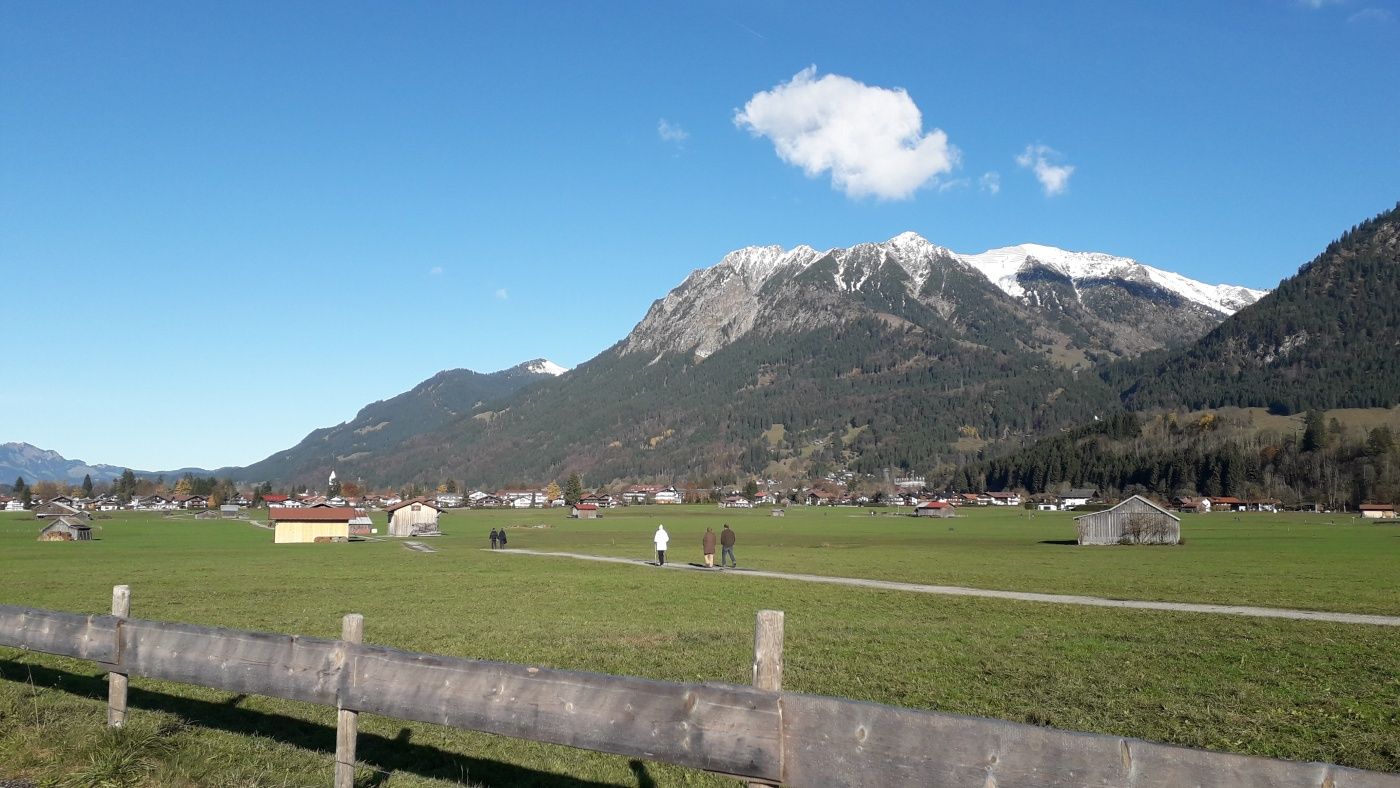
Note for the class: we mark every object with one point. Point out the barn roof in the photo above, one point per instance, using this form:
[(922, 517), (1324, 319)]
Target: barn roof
[(587, 507), (1377, 507), (1125, 501), (300, 514), (71, 522), (934, 505), (410, 501)]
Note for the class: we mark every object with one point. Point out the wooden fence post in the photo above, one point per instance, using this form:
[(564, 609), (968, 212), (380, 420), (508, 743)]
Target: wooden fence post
[(768, 654), (352, 630), (117, 682)]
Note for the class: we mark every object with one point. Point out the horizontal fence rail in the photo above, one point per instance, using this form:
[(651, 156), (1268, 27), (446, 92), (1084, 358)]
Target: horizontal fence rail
[(760, 734)]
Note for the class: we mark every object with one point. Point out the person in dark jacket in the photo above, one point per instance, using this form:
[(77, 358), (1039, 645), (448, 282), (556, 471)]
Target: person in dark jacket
[(708, 543), (495, 538), (726, 541), (503, 538)]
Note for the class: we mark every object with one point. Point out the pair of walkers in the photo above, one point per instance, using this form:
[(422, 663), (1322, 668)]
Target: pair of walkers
[(498, 538), (724, 538)]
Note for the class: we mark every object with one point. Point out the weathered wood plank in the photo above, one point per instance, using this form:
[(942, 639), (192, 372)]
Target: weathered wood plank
[(768, 660), (117, 682), (724, 729), (347, 724), (66, 634), (829, 741), (280, 666)]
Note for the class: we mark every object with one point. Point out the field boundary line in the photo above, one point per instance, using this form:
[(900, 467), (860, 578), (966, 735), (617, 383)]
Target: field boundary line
[(1020, 596)]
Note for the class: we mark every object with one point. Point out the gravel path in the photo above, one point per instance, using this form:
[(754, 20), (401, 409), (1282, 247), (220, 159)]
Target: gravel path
[(1023, 596)]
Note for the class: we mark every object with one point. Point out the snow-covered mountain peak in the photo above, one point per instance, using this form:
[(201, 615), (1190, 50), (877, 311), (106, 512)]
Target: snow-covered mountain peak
[(1002, 266), (543, 366)]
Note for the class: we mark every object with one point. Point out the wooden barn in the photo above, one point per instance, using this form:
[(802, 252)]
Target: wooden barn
[(1378, 511), (415, 517), (1134, 521), (584, 511), (57, 509), (298, 525), (934, 509), (66, 529)]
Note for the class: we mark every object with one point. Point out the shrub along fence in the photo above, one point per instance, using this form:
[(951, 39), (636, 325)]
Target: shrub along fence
[(760, 733)]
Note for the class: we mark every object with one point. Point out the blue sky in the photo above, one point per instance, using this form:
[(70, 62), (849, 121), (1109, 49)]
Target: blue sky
[(224, 225)]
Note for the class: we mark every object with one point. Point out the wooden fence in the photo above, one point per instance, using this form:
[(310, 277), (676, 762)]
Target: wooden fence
[(761, 734)]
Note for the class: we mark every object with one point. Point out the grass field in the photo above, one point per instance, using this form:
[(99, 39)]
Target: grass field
[(1290, 689)]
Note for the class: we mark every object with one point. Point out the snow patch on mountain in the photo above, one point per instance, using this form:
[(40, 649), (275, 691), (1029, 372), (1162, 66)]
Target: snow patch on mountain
[(543, 366), (1002, 267)]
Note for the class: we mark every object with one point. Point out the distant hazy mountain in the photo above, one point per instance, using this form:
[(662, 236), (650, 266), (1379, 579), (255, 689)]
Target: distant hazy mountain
[(35, 464), (893, 354), (387, 424)]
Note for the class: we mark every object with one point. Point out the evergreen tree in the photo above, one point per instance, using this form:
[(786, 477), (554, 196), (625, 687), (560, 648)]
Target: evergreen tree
[(751, 489), (573, 489), (87, 485)]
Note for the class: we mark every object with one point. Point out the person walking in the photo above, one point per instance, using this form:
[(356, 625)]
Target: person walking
[(709, 544), (661, 539), (494, 538), (726, 541), (503, 538)]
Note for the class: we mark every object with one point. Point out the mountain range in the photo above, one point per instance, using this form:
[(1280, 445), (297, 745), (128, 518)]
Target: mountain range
[(895, 355)]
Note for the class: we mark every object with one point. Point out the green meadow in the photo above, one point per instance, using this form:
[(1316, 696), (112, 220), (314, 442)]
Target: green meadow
[(1290, 689)]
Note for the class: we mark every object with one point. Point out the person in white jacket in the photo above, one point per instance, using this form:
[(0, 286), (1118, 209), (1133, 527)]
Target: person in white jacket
[(662, 539)]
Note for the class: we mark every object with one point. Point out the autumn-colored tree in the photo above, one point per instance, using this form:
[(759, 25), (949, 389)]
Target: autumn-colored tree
[(184, 486), (46, 490), (351, 490)]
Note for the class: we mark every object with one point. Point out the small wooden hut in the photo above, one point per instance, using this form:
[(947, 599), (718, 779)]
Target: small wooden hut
[(584, 511), (414, 517), (934, 509), (1134, 521), (294, 525), (66, 529)]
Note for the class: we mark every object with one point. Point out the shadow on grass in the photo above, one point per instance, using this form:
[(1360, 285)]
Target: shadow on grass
[(385, 755), (1060, 541)]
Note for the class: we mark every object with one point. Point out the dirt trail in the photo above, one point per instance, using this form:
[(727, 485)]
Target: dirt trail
[(1023, 596)]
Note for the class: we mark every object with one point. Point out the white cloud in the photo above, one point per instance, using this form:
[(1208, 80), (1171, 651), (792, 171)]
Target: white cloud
[(1054, 178), (1372, 16), (671, 132), (435, 271), (1316, 4), (990, 182), (871, 139), (502, 294)]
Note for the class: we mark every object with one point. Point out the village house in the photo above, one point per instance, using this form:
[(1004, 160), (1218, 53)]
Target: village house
[(152, 503), (523, 499), (584, 511), (1134, 521), (448, 500), (1078, 496), (601, 500), (415, 517), (65, 500), (820, 498), (1226, 503), (191, 501), (302, 525), (1004, 498), (736, 502), (490, 502), (1378, 511), (66, 529)]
